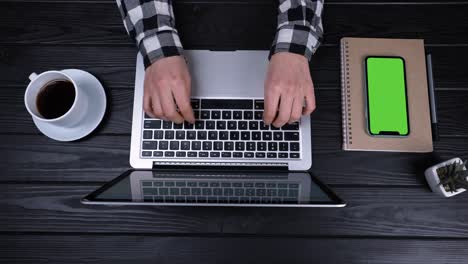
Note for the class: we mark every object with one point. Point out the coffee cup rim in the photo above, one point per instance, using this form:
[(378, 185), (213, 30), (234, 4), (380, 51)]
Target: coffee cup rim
[(57, 118)]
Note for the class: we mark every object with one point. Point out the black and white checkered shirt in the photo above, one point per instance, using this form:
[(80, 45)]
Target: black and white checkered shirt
[(151, 24)]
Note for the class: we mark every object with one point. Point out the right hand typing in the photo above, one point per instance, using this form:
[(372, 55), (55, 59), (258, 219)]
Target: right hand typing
[(166, 88)]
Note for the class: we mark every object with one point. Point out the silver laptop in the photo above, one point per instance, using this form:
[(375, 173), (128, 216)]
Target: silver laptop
[(229, 156)]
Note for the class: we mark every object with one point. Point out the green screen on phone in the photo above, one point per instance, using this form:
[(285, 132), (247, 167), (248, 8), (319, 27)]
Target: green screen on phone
[(387, 108)]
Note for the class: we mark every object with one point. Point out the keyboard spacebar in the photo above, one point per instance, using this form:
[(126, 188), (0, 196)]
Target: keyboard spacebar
[(226, 104)]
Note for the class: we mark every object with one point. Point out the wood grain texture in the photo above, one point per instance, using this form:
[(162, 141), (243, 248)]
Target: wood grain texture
[(115, 66), (146, 249), (101, 158), (326, 119), (238, 25), (375, 211)]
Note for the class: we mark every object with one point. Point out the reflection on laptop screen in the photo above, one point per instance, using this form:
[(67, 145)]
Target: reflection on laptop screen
[(166, 187)]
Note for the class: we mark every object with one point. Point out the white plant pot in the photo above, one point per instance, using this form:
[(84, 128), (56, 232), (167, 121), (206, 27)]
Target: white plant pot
[(433, 179)]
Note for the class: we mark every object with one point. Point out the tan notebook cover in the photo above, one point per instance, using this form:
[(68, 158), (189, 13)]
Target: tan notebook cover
[(355, 136)]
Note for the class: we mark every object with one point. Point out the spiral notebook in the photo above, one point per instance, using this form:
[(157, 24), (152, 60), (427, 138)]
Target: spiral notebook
[(355, 135)]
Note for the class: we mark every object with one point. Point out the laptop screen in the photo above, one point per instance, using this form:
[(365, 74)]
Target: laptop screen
[(220, 188)]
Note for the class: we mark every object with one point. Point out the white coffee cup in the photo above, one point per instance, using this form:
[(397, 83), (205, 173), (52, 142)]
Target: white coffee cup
[(76, 112)]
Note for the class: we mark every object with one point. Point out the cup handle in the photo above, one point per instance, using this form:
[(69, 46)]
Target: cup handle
[(32, 76)]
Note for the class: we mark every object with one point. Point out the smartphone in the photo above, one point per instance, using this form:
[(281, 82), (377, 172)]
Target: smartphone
[(387, 101)]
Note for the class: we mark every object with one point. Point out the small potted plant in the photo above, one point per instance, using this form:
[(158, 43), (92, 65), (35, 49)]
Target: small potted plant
[(448, 178)]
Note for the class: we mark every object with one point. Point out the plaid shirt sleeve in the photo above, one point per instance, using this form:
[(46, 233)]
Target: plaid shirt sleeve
[(300, 27), (151, 24)]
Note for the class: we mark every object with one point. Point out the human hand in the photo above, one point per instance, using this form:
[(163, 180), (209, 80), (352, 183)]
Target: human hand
[(287, 85), (167, 85)]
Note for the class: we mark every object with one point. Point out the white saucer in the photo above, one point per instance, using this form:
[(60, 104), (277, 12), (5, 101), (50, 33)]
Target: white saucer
[(96, 110)]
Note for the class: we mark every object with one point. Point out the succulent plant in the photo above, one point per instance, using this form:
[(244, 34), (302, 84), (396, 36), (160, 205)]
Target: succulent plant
[(453, 176)]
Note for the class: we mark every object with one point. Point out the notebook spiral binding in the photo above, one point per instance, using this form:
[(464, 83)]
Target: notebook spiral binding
[(346, 95)]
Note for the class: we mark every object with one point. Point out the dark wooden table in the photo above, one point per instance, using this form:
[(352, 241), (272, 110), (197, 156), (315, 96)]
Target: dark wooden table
[(392, 216)]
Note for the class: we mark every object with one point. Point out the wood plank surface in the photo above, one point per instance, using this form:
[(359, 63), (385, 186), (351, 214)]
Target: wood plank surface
[(147, 249), (238, 25), (378, 211), (101, 158)]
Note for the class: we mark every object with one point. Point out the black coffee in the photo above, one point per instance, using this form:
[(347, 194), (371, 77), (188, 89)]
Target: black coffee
[(55, 99)]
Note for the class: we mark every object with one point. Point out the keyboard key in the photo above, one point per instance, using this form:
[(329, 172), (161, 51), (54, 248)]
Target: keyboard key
[(158, 134), (256, 135), (271, 155), (180, 134), (253, 125), (214, 154), (258, 115), (223, 135), (259, 104), (227, 114), (178, 126), (195, 191), (261, 146), (185, 191), (248, 154), (157, 153), (293, 126), (191, 134), (291, 136), (232, 125), (218, 145), (169, 154), (283, 192), (203, 184), (294, 155), (213, 135), (242, 125), (210, 124), (188, 125), (163, 191), (228, 192), (185, 145), (206, 191), (191, 184), (201, 135), (168, 134), (259, 185), (196, 113), (196, 145), (228, 145), (250, 192), (147, 134), (240, 146), (192, 154), (203, 154), (260, 154), (150, 145), (215, 114), (154, 124), (294, 146), (214, 184), (217, 191), (248, 184), (238, 192), (226, 154), (234, 135), (163, 145), (274, 128), (174, 145), (245, 135), (181, 154), (237, 154), (263, 126), (273, 146), (278, 136), (267, 136), (283, 146), (199, 124), (293, 193), (237, 115), (195, 103), (207, 145), (251, 146), (226, 104), (248, 115), (180, 184), (220, 125), (283, 155), (146, 153), (205, 115), (167, 124)]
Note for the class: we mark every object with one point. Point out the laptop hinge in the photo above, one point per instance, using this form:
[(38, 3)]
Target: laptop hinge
[(220, 166)]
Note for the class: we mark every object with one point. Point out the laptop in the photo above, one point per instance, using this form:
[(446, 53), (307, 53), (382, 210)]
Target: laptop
[(229, 157)]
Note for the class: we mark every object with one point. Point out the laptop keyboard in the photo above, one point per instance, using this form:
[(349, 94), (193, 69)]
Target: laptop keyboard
[(219, 191), (224, 129)]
